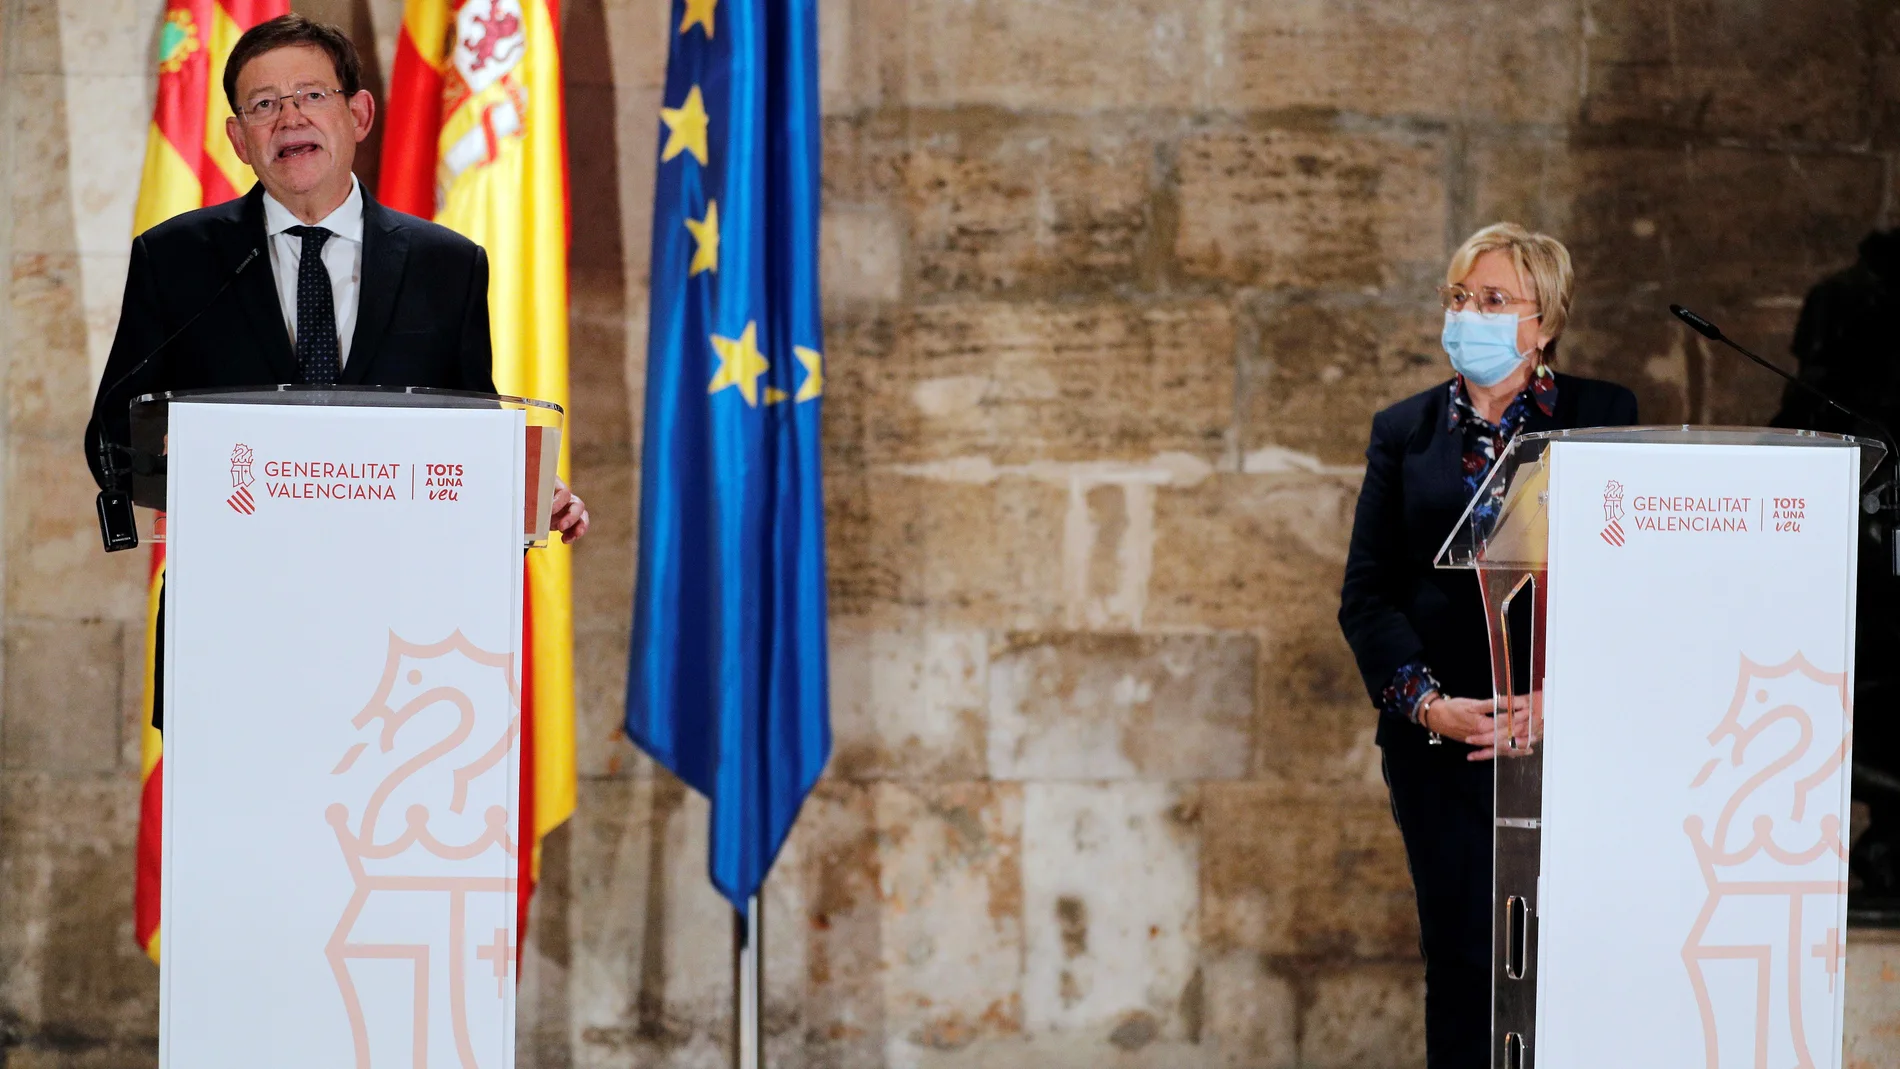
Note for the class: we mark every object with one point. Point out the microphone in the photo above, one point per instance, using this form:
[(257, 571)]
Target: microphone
[(1698, 324), (118, 525), (1883, 501)]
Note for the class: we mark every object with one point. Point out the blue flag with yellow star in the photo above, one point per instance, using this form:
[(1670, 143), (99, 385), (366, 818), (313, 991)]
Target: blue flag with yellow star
[(727, 674)]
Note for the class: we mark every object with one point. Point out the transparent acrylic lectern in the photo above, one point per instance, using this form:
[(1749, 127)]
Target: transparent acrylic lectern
[(343, 630), (150, 414), (1505, 536)]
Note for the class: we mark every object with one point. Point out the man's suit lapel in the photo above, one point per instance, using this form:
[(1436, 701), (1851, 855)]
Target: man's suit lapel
[(256, 288), (385, 250)]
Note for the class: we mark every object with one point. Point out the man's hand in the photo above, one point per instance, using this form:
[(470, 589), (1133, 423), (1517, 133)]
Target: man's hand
[(570, 513)]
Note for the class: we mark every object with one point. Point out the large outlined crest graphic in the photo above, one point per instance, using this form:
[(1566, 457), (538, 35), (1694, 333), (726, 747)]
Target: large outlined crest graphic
[(1769, 841), (423, 824)]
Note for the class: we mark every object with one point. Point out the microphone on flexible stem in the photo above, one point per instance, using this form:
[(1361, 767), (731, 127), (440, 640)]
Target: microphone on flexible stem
[(1714, 333), (118, 525), (1884, 501)]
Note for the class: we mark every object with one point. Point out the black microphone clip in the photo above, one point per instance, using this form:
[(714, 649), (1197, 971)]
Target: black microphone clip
[(118, 524)]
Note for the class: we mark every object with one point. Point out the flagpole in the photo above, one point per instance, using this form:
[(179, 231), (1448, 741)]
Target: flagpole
[(748, 985)]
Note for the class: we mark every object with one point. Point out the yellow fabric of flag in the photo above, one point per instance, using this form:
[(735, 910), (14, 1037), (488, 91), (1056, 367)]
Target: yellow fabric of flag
[(501, 180)]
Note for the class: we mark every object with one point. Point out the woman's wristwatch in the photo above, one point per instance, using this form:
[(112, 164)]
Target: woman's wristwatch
[(1424, 718)]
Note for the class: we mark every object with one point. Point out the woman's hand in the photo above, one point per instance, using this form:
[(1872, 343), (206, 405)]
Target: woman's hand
[(1472, 722)]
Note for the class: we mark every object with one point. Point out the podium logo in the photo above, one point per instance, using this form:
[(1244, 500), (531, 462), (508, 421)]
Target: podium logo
[(1765, 953), (1613, 512), (241, 501)]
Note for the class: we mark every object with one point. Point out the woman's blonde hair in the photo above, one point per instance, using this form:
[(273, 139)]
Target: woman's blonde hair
[(1539, 258)]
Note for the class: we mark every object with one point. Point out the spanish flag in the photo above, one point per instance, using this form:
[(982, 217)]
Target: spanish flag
[(189, 164), (475, 140)]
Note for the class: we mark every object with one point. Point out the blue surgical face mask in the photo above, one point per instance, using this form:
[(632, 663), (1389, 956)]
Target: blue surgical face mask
[(1483, 345)]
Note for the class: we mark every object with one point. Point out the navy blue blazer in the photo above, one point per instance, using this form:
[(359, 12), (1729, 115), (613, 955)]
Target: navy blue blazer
[(1394, 606)]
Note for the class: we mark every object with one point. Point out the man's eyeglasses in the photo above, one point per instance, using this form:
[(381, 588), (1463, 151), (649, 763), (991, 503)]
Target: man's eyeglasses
[(309, 101), (1484, 299)]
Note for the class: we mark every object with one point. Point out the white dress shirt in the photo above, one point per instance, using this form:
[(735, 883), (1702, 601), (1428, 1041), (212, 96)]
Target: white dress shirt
[(342, 256)]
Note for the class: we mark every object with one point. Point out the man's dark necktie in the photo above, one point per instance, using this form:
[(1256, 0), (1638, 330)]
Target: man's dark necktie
[(318, 356)]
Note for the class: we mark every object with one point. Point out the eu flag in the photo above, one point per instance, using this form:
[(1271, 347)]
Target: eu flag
[(727, 676)]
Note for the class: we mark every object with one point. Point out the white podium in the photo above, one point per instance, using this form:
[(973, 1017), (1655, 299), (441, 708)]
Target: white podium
[(342, 630), (1671, 858)]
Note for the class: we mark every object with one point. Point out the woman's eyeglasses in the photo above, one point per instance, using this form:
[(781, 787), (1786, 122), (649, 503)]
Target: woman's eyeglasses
[(1484, 298)]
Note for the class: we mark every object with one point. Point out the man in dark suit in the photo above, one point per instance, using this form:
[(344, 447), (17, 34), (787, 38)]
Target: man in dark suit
[(305, 279)]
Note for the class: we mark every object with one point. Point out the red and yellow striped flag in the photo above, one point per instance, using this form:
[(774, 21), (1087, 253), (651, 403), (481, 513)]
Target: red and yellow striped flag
[(151, 774), (189, 164), (475, 140)]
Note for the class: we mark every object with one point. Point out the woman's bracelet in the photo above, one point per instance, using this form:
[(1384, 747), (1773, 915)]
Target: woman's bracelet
[(1425, 718)]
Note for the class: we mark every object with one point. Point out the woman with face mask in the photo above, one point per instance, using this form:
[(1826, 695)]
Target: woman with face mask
[(1419, 634)]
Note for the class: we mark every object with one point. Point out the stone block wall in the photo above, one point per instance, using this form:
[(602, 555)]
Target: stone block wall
[(74, 988), (1112, 291)]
